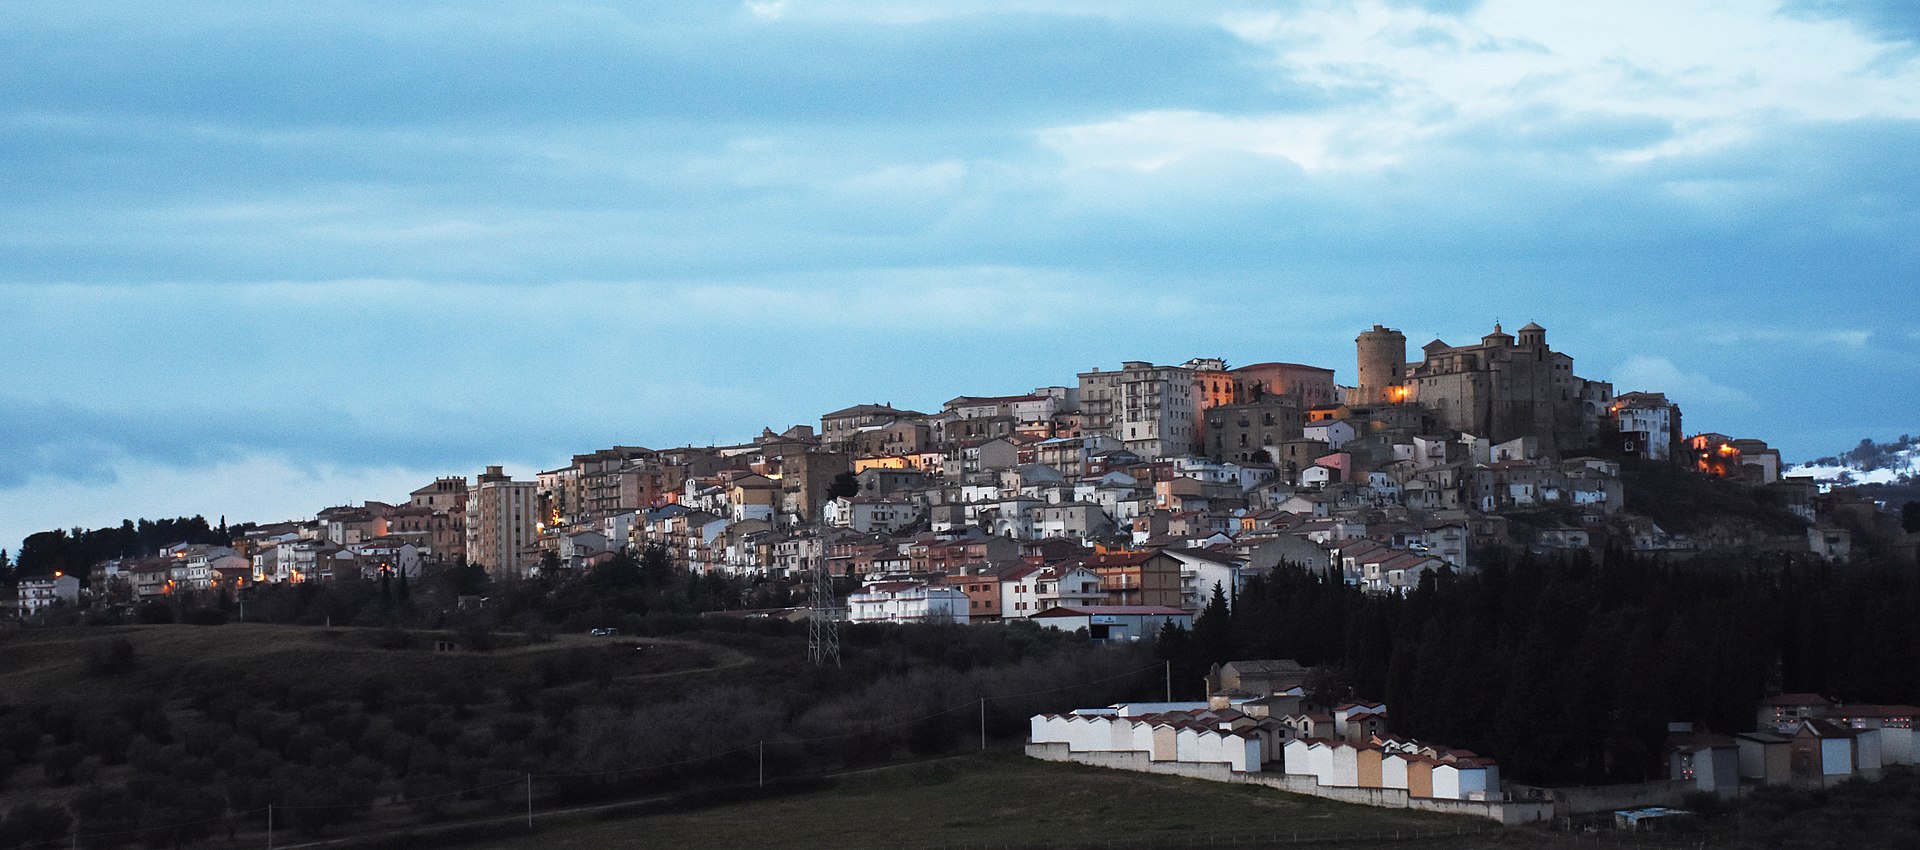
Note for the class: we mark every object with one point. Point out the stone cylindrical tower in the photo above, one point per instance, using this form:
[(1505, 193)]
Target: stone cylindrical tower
[(1382, 361)]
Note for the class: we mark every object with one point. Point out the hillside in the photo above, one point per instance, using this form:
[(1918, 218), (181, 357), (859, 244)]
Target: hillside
[(1895, 463), (172, 734), (1003, 799)]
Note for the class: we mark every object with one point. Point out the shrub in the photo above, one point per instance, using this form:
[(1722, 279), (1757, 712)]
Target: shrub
[(152, 614), (206, 617), (110, 657)]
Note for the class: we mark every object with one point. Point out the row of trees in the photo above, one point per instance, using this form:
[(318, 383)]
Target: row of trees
[(75, 552), (1569, 670)]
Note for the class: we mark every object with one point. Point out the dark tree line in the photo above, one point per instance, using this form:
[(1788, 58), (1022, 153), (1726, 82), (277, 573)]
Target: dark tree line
[(1569, 670), (75, 552)]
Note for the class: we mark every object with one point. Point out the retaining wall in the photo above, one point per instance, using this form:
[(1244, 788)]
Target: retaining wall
[(1607, 798), (1504, 813)]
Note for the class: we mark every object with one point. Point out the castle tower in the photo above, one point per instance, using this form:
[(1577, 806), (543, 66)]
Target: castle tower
[(1382, 362), (1533, 335)]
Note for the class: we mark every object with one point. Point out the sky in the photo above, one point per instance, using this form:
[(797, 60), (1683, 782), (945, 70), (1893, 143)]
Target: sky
[(259, 259)]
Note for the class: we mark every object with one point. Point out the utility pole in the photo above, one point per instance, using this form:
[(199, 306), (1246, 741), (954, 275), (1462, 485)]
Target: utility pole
[(269, 826), (529, 802), (983, 724), (1169, 680), (763, 764)]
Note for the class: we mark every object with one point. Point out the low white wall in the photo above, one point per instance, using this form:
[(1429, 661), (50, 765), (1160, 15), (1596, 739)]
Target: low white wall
[(1504, 813), (1134, 761), (1507, 814)]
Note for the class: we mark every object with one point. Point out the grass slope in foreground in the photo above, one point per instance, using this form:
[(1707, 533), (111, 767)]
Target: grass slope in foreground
[(1006, 799)]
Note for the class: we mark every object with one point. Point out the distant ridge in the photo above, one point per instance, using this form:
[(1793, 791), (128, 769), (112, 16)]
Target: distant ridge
[(1869, 462)]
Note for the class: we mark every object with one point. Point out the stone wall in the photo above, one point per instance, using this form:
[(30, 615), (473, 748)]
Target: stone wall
[(1136, 761), (1507, 814), (1300, 783), (1607, 798)]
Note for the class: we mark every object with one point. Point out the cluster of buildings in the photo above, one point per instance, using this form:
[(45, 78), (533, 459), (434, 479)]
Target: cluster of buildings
[(1258, 726), (1158, 481), (1802, 740), (1258, 718)]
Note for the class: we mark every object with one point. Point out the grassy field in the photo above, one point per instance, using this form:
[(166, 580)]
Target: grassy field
[(1003, 799), (997, 799), (50, 665)]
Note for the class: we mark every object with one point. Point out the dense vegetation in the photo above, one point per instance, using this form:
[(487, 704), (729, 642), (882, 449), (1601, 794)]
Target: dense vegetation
[(158, 747), (1569, 670), (1884, 813), (1683, 502), (75, 552)]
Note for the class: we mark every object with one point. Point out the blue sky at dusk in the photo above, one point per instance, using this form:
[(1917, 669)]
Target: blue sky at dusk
[(260, 259)]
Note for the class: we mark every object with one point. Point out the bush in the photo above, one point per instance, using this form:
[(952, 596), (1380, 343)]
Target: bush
[(110, 657), (206, 617), (477, 636), (31, 824), (61, 763), (395, 637)]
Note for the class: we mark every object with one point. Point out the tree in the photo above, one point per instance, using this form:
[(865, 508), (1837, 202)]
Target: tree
[(846, 484), (656, 569), (1213, 629), (1175, 646), (1909, 520), (464, 579)]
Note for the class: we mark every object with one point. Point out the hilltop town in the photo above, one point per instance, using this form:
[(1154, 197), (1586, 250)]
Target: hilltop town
[(1139, 487), (1424, 528)]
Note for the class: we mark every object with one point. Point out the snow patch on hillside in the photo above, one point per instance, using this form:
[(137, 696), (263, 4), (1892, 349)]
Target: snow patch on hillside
[(1897, 462)]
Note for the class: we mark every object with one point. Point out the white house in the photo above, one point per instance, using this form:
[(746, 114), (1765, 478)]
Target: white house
[(1015, 517), (43, 592), (907, 602), (1200, 570), (1334, 432), (1026, 591), (871, 515), (1645, 422)]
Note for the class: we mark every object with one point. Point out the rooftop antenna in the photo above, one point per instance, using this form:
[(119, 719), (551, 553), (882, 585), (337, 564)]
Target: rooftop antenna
[(823, 632)]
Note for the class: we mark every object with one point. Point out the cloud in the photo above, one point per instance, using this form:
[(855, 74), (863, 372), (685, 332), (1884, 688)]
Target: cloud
[(771, 10), (253, 487), (1855, 340), (1399, 79), (1659, 374), (1894, 19)]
